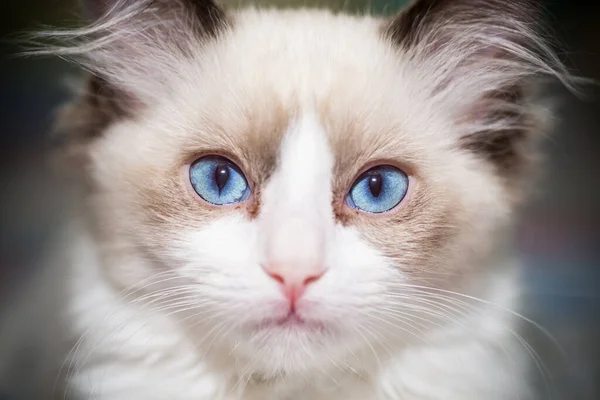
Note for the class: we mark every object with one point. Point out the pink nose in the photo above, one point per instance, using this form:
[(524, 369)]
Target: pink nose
[(293, 284)]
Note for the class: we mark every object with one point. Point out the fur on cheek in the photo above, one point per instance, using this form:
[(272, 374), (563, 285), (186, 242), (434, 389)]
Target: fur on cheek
[(416, 237)]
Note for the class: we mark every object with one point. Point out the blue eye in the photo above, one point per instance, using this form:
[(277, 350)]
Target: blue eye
[(218, 181), (378, 190)]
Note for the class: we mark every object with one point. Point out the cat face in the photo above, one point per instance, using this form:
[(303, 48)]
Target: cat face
[(289, 181)]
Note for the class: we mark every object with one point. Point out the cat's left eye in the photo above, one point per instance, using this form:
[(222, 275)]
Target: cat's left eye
[(218, 180), (378, 190)]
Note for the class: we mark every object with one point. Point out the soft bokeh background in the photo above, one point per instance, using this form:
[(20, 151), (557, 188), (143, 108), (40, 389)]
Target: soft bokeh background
[(558, 234)]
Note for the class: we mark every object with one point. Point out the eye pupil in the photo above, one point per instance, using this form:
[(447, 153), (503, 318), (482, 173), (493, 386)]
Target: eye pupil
[(378, 190), (221, 176), (375, 184), (218, 181)]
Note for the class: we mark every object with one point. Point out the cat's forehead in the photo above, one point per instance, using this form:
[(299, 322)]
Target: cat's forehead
[(244, 91), (307, 44)]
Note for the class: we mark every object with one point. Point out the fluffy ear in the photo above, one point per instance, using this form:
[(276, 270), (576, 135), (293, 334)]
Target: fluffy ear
[(482, 59), (95, 9), (127, 36), (132, 49), (209, 17)]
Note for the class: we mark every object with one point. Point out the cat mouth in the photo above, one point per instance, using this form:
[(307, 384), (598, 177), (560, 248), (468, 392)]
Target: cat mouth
[(292, 321)]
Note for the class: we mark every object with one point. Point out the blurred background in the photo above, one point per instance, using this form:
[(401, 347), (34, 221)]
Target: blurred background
[(558, 234)]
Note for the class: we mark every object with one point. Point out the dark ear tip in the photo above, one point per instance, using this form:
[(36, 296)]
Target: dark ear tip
[(94, 9)]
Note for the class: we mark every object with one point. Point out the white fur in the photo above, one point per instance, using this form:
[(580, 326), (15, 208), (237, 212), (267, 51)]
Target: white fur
[(127, 353), (298, 222), (132, 350), (182, 323)]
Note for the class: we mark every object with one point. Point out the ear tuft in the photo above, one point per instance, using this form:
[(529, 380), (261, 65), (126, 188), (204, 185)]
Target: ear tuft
[(96, 106), (482, 60), (132, 49), (208, 12), (94, 9), (125, 37)]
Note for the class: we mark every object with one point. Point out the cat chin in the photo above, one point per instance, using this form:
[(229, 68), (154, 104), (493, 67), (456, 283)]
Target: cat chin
[(287, 348), (286, 359)]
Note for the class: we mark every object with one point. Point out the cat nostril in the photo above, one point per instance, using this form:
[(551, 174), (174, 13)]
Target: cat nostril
[(275, 276), (292, 279), (312, 279), (292, 284)]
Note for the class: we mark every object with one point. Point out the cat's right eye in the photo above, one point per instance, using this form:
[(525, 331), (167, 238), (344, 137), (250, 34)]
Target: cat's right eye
[(378, 190), (218, 181)]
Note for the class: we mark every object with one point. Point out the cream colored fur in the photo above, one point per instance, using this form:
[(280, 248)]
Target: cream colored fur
[(164, 292)]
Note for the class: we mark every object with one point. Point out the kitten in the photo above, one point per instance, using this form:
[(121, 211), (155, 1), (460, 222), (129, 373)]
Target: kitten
[(299, 204)]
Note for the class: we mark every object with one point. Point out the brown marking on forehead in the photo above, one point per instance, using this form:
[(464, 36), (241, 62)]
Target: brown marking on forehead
[(251, 137), (260, 145), (360, 140), (251, 140)]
